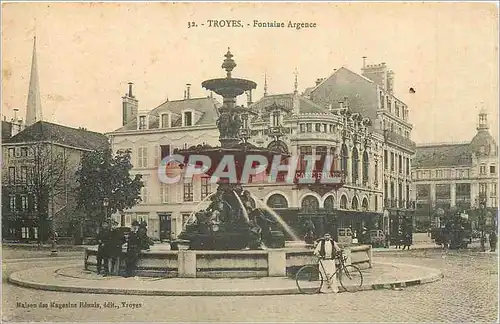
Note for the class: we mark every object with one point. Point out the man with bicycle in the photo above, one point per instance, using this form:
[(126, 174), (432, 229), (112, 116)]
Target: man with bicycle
[(326, 250)]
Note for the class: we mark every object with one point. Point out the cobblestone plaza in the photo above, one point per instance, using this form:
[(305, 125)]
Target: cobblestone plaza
[(467, 293)]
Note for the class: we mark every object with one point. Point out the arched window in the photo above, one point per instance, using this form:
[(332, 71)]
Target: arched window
[(329, 203), (355, 203), (364, 205), (355, 162), (343, 202), (277, 201), (366, 164), (310, 204), (344, 155)]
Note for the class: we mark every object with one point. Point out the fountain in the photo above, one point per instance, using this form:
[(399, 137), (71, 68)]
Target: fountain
[(232, 221), (237, 235)]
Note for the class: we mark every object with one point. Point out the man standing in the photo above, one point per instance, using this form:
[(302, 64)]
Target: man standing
[(493, 240), (133, 250), (103, 239), (326, 250)]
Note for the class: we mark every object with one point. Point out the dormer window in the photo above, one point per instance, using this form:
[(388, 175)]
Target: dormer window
[(165, 120), (188, 118), (142, 122)]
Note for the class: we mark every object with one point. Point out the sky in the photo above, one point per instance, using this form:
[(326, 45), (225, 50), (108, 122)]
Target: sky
[(88, 52)]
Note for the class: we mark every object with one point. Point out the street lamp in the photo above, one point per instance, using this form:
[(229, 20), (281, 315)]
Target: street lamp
[(482, 214), (105, 203), (386, 227)]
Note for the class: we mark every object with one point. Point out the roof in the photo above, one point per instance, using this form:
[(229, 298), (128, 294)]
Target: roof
[(442, 155), (361, 92), (483, 139), (75, 137), (6, 130), (207, 106), (285, 100)]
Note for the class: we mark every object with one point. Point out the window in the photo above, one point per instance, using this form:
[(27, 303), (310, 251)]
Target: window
[(382, 103), (188, 191), (24, 151), (389, 104), (392, 127), (325, 128), (407, 134), (205, 187), (12, 175), (142, 157), (163, 193), (12, 152), (492, 169), (331, 128), (309, 127), (277, 201), (386, 160), (407, 192), (276, 118), (393, 160), (493, 190), (317, 128), (142, 122), (407, 166), (164, 121), (24, 174), (376, 171), (12, 203), (188, 118), (304, 151), (400, 158), (482, 189), (24, 232), (144, 195), (396, 109), (302, 128), (24, 202), (482, 169), (165, 151)]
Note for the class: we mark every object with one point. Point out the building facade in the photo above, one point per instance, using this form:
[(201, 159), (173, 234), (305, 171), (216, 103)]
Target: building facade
[(38, 177), (457, 176), (346, 115)]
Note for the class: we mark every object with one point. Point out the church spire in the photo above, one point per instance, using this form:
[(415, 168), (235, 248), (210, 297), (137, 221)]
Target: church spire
[(34, 105), (296, 84), (265, 85)]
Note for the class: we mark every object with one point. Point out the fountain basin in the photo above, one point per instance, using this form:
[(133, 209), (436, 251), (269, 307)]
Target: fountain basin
[(227, 264)]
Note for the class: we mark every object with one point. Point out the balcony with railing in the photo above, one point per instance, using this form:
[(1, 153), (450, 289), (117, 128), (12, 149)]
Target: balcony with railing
[(400, 140)]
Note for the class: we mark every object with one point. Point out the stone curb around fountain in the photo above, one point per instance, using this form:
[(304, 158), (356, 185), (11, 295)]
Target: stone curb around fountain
[(48, 279)]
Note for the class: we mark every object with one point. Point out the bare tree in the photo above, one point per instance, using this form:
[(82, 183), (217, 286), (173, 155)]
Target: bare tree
[(50, 178)]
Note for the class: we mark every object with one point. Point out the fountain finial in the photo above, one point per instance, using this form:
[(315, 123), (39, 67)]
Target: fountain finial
[(228, 63)]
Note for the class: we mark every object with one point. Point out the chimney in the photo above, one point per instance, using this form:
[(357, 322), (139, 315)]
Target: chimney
[(188, 88), (341, 104), (318, 81), (378, 73), (364, 62), (130, 94), (129, 106)]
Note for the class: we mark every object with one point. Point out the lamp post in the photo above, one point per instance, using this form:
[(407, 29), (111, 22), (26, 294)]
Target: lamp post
[(386, 228), (482, 214), (105, 203), (440, 214)]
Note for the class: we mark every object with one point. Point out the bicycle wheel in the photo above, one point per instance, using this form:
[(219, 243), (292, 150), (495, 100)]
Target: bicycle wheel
[(351, 278), (309, 279)]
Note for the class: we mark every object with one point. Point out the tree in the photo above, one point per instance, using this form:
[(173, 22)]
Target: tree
[(47, 175), (103, 175)]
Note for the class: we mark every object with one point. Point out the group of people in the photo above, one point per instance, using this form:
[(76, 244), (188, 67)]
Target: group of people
[(113, 244), (404, 239)]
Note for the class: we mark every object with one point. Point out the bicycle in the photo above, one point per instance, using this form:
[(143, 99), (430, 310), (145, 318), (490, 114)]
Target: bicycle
[(310, 280)]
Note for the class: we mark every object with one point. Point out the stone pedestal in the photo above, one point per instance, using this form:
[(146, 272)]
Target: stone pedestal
[(276, 263), (187, 264)]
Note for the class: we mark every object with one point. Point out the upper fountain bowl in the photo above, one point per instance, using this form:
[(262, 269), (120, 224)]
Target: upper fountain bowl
[(229, 87)]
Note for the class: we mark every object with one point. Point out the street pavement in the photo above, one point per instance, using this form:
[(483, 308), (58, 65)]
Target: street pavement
[(467, 293)]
